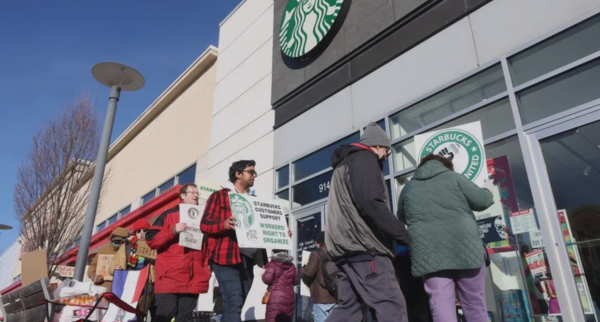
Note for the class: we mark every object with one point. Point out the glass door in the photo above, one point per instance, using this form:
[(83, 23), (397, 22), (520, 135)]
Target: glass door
[(307, 224), (567, 158)]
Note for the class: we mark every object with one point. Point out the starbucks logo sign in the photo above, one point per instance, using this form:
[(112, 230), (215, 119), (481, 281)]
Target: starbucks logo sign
[(193, 213), (462, 146), (305, 23), (242, 210)]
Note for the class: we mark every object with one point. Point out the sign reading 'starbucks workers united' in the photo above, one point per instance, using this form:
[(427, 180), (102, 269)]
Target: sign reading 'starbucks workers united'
[(260, 223), (305, 23), (464, 143)]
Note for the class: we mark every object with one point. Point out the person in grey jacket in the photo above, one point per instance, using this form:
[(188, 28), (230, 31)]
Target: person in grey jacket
[(361, 232), (446, 248)]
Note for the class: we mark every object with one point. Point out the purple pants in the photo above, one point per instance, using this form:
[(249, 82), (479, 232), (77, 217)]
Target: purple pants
[(470, 284)]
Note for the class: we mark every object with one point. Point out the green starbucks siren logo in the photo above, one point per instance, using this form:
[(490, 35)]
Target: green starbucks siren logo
[(242, 210), (305, 23), (465, 150)]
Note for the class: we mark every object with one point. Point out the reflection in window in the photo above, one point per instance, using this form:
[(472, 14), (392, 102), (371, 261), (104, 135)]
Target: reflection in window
[(469, 92), (283, 195), (112, 220), (404, 155), (321, 159), (495, 119), (558, 51), (125, 211), (311, 190), (100, 227), (187, 176), (512, 194), (283, 177), (570, 89), (149, 196), (573, 162), (166, 186), (401, 181), (390, 196)]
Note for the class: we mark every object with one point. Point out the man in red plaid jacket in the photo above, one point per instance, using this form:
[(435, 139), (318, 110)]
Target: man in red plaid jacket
[(233, 267)]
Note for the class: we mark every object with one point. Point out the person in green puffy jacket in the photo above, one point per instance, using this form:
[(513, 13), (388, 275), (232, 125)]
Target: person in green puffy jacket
[(437, 205)]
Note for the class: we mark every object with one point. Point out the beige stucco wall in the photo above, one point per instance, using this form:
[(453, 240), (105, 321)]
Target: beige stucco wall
[(174, 140)]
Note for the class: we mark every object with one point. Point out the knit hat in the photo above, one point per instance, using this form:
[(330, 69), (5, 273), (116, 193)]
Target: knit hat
[(140, 224), (374, 135)]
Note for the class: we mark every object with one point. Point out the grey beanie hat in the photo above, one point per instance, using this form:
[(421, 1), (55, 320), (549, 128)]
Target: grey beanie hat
[(374, 135)]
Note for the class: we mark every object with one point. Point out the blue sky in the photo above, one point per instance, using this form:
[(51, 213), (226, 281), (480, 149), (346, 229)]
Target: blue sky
[(49, 47)]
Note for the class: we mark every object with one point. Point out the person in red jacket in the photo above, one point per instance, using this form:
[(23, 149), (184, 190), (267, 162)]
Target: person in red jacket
[(181, 273)]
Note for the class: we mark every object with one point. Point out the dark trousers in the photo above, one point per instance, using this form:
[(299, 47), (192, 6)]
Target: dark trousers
[(235, 282), (372, 283), (178, 306), (418, 302)]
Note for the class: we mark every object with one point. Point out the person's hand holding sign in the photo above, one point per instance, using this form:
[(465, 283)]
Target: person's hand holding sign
[(230, 223), (179, 227)]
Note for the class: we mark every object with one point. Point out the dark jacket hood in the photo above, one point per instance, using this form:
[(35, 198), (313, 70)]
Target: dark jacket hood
[(429, 170), (346, 150)]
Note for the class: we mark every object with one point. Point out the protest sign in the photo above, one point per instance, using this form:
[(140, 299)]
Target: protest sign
[(65, 271), (104, 262), (145, 251), (33, 266), (192, 236), (305, 289), (192, 216), (260, 222), (464, 143)]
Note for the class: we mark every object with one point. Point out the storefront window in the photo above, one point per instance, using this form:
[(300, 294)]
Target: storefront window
[(517, 285), (149, 196), (570, 89), (388, 185), (307, 229), (321, 159), (467, 93), (101, 227), (572, 44), (404, 155), (166, 186), (311, 190), (283, 177), (573, 163), (125, 211), (495, 119), (283, 195), (112, 220), (187, 176), (401, 181)]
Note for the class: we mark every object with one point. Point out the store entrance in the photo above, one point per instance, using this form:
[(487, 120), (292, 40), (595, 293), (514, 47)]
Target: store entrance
[(307, 225), (571, 156)]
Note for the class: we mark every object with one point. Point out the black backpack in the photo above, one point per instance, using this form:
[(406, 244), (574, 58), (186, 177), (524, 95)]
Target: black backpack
[(329, 270)]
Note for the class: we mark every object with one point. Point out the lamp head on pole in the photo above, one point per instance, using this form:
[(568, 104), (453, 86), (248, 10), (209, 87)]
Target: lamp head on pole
[(110, 74), (5, 227)]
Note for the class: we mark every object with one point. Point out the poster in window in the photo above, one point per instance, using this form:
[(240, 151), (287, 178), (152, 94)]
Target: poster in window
[(307, 230), (505, 200)]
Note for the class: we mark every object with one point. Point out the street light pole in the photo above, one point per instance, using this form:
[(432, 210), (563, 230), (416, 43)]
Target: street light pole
[(118, 77)]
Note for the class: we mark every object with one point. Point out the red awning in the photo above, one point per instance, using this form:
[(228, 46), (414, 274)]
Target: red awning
[(152, 209)]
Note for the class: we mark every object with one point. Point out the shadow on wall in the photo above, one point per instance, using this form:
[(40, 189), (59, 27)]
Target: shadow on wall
[(314, 54), (250, 316)]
